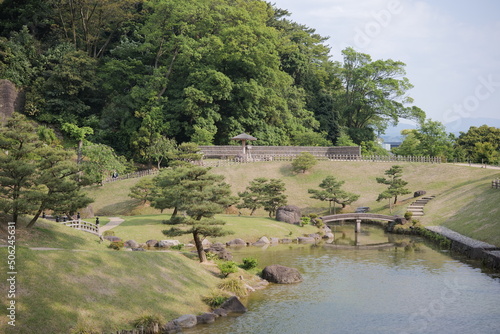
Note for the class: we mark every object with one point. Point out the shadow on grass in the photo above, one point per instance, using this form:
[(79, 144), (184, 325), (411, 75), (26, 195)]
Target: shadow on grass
[(123, 208)]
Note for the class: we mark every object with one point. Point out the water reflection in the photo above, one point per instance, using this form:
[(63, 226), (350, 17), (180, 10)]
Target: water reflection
[(407, 288)]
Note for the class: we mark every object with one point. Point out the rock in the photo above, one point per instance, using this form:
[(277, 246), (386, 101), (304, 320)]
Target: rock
[(151, 243), (286, 241), (139, 249), (220, 312), (205, 243), (131, 244), (206, 318), (274, 240), (281, 274), (261, 242), (288, 214), (419, 193), (220, 251), (234, 305), (186, 321), (236, 242), (171, 328), (326, 229), (316, 236), (168, 243), (112, 238), (328, 236), (304, 240)]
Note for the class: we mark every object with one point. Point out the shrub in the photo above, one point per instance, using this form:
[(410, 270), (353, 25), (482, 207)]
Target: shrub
[(227, 267), (116, 245), (305, 221), (108, 233), (249, 263), (408, 215), (303, 162), (177, 247), (150, 324), (234, 286), (80, 329), (216, 298)]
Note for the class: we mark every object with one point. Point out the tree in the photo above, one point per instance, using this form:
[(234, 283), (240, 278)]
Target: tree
[(273, 196), (395, 183), (303, 162), (480, 143), (373, 94), (99, 161), (18, 166), (253, 196), (160, 149), (142, 190), (79, 134), (35, 176), (332, 193), (208, 195)]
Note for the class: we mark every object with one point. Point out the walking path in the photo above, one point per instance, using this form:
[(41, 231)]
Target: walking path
[(113, 222)]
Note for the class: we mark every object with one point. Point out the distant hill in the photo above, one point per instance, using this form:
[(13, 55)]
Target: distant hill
[(393, 134)]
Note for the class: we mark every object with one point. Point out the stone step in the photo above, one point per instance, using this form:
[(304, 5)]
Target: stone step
[(415, 210), (417, 214)]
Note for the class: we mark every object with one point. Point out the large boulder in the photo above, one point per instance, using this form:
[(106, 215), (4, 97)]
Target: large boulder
[(419, 193), (171, 328), (131, 244), (220, 251), (168, 243), (288, 214), (186, 321), (234, 305), (151, 243), (281, 274), (236, 242), (262, 242), (206, 318), (112, 238), (305, 240)]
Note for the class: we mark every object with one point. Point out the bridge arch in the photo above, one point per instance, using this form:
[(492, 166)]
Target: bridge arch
[(358, 217)]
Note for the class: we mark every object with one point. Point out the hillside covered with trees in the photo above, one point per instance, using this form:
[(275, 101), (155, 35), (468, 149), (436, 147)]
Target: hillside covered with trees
[(136, 71)]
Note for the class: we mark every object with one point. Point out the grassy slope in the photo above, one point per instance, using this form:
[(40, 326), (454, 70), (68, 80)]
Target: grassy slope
[(103, 290)]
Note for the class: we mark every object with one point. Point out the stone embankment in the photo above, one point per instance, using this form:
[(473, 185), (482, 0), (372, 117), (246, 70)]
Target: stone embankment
[(488, 254), (417, 207)]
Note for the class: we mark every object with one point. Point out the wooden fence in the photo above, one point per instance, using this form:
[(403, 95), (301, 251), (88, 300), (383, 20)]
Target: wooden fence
[(140, 173), (495, 184), (82, 226), (336, 157)]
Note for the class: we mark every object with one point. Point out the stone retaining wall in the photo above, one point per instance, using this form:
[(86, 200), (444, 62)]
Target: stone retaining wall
[(235, 150), (473, 249)]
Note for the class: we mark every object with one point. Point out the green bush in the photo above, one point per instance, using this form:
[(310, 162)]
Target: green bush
[(108, 233), (249, 263), (234, 286), (408, 215), (216, 298), (305, 221), (116, 245), (227, 267), (150, 324), (303, 162), (177, 247)]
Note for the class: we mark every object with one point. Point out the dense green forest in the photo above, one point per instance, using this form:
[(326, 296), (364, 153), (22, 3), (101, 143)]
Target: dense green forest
[(143, 75), (202, 71)]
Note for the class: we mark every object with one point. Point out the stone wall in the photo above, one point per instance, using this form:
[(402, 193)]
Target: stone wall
[(224, 151), (10, 99)]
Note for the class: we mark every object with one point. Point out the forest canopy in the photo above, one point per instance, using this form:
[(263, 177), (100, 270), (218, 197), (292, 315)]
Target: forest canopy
[(138, 72)]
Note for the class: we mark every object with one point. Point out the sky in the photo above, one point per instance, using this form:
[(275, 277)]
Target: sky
[(451, 48)]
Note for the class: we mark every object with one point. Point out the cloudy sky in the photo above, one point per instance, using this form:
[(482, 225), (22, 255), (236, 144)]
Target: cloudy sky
[(451, 48)]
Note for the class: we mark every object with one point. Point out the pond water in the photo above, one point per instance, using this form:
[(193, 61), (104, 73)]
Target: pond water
[(375, 288)]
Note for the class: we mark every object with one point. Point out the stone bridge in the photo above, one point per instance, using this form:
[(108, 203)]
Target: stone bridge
[(358, 217)]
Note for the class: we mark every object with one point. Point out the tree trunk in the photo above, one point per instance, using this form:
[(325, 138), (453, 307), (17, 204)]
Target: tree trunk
[(199, 247), (174, 214), (33, 221)]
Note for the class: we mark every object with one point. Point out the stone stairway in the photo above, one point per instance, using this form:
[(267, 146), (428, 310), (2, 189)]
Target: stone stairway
[(417, 207)]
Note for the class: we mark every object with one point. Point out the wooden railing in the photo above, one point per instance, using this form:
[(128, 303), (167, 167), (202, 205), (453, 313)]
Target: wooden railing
[(140, 173), (82, 225), (336, 157), (495, 184)]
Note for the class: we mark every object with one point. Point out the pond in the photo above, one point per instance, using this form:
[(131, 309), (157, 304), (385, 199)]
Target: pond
[(411, 287)]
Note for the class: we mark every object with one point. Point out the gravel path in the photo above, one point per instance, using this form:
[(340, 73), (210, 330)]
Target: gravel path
[(113, 222)]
